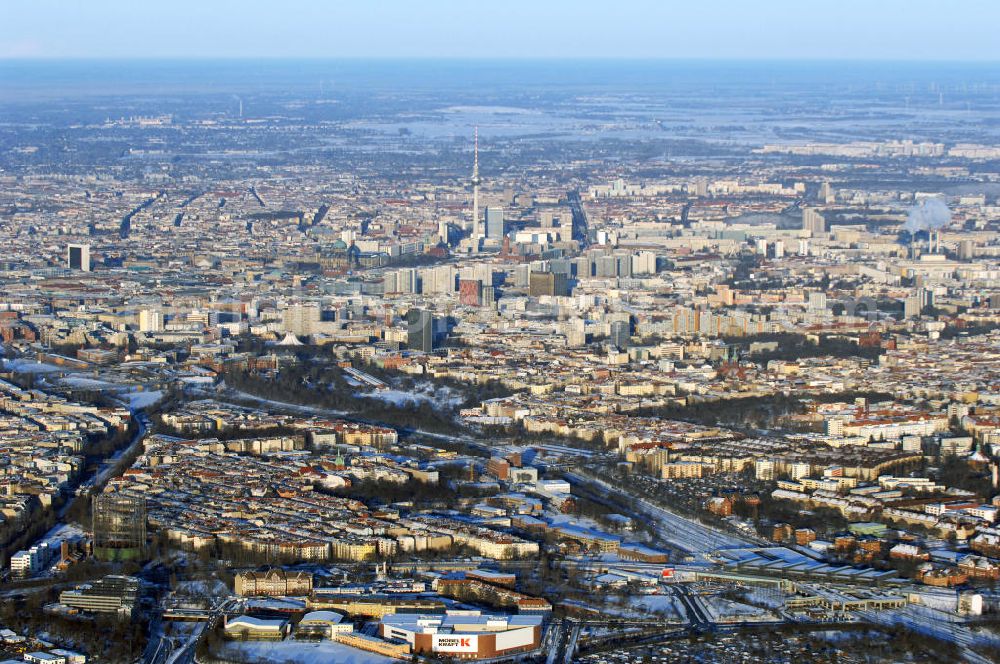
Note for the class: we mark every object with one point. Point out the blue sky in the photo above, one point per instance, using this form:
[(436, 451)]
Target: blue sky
[(766, 29)]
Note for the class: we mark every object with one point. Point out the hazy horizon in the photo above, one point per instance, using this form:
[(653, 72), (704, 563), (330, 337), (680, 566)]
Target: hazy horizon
[(23, 78)]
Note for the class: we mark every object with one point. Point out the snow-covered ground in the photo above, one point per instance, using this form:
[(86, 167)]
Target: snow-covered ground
[(667, 606), (31, 366), (720, 609), (300, 652), (596, 632), (135, 398), (442, 397), (85, 383), (208, 588), (130, 394), (54, 538), (311, 410), (766, 597), (583, 522), (60, 532), (138, 400), (607, 609), (280, 604)]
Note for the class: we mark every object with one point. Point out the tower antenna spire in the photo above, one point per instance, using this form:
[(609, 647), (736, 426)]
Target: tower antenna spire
[(475, 188)]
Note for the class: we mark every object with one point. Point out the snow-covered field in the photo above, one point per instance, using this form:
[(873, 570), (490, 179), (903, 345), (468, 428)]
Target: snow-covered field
[(137, 400), (442, 397), (667, 606), (300, 652)]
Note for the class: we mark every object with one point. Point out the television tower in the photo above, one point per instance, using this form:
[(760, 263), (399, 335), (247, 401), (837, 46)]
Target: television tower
[(475, 188)]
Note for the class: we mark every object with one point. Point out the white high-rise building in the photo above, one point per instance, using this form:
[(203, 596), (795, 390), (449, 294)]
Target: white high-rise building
[(576, 332), (644, 263), (407, 280), (438, 279), (150, 320), (482, 272), (78, 257), (301, 319), (21, 565)]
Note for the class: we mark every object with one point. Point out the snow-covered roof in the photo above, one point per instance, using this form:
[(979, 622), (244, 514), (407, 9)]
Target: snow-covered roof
[(322, 616)]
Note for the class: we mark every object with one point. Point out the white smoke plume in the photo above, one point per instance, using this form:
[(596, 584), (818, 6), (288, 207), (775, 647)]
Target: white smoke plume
[(930, 213)]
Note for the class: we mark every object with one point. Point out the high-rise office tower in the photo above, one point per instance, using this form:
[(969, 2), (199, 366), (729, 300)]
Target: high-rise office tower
[(548, 283), (302, 319), (620, 334), (470, 292), (555, 218), (644, 263), (913, 305), (78, 257), (407, 280), (607, 266), (494, 223), (150, 320), (817, 302), (482, 271), (966, 250), (624, 267), (699, 187), (420, 330), (440, 279), (584, 267), (813, 221), (576, 332), (390, 283), (522, 275)]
